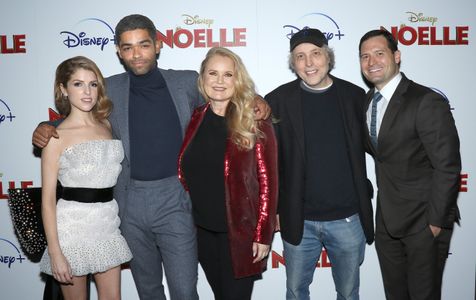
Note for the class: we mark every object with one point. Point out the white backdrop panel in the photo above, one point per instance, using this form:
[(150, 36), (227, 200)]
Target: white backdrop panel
[(27, 74)]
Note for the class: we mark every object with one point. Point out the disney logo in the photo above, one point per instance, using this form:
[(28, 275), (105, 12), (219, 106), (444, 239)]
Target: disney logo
[(8, 115), (419, 17), (81, 39), (11, 259), (72, 40), (329, 35), (189, 20)]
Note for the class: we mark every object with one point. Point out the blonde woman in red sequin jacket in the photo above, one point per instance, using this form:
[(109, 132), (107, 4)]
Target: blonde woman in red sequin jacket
[(228, 164)]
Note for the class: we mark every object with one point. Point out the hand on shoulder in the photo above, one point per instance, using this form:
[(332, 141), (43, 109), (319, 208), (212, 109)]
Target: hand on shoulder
[(42, 135)]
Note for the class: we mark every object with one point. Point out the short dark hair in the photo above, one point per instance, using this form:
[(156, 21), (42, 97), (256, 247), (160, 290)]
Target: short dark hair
[(391, 41), (133, 22)]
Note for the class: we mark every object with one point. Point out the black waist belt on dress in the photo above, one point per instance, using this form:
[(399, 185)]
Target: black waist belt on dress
[(87, 195)]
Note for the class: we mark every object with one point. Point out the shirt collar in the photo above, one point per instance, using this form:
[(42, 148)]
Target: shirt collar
[(388, 90), (306, 87)]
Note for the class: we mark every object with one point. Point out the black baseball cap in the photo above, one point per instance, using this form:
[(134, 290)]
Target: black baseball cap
[(308, 35)]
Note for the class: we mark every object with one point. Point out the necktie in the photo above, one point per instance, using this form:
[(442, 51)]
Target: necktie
[(373, 118)]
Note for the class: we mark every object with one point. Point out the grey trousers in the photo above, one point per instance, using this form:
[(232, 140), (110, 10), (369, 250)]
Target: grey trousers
[(158, 226)]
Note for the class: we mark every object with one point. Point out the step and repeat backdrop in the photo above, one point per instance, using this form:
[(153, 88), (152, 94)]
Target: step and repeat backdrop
[(435, 38)]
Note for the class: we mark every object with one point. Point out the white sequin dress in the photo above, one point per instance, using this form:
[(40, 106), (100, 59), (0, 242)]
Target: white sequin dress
[(88, 233)]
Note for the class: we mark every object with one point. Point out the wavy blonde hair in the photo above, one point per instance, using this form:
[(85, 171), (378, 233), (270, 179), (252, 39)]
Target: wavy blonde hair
[(64, 71), (239, 115)]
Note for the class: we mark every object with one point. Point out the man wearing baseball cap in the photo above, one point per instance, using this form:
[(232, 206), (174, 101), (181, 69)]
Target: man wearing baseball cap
[(324, 196)]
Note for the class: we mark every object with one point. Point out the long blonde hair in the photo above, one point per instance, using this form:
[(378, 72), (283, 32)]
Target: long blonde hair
[(239, 115), (65, 70)]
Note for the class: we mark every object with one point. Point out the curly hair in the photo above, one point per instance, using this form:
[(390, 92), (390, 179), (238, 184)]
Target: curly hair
[(133, 22), (65, 71), (239, 115)]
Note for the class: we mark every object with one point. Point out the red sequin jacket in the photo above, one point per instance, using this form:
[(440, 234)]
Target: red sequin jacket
[(251, 188)]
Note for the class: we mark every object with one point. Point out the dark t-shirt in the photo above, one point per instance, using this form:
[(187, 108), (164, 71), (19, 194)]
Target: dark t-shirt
[(329, 189)]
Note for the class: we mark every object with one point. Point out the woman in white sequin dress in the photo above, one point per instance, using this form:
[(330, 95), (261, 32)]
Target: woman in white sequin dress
[(82, 228)]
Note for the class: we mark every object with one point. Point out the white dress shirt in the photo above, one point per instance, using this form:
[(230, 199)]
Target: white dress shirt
[(387, 93)]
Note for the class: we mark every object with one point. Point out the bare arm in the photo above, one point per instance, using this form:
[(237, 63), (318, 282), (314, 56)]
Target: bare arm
[(49, 174), (42, 135)]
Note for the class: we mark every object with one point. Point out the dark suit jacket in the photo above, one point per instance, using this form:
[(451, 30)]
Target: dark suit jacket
[(418, 162), (183, 89), (286, 106)]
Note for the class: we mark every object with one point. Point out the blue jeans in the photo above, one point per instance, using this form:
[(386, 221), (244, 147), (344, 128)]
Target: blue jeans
[(344, 241)]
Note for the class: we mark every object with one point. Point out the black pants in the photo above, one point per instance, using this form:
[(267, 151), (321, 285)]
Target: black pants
[(215, 259), (412, 266)]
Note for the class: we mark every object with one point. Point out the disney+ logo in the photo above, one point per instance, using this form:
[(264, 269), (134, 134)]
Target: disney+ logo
[(83, 39), (5, 113), (329, 27), (6, 256)]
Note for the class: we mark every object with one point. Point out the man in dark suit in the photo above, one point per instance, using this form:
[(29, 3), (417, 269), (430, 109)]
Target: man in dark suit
[(324, 194), (412, 136)]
